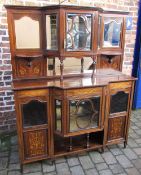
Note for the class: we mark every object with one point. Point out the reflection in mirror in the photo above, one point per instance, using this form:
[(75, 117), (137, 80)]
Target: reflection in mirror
[(34, 113), (112, 30), (119, 102), (27, 33), (84, 114), (58, 114), (78, 32), (51, 32), (71, 65)]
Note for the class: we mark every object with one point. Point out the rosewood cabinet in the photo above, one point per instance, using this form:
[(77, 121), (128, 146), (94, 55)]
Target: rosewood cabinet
[(69, 94)]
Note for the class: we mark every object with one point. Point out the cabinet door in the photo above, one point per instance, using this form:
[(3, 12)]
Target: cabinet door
[(33, 123), (35, 143), (118, 112), (84, 113), (84, 110), (116, 127), (78, 32)]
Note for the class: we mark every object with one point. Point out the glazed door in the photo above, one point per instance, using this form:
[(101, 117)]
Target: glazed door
[(33, 124), (119, 99), (78, 110), (84, 111)]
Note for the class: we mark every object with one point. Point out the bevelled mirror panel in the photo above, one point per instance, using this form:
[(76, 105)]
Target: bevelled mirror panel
[(79, 27), (84, 114), (119, 102), (34, 113), (112, 32), (51, 32), (72, 65), (27, 33), (58, 114)]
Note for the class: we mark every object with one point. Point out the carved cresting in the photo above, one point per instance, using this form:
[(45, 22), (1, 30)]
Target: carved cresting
[(36, 143), (116, 127)]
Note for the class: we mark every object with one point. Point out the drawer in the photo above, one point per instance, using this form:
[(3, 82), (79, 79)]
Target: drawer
[(121, 85), (85, 91)]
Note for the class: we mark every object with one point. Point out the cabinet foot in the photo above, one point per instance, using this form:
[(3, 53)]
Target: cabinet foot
[(49, 162), (21, 168), (101, 150), (125, 144)]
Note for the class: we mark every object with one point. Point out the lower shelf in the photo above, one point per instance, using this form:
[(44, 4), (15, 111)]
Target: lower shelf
[(77, 144)]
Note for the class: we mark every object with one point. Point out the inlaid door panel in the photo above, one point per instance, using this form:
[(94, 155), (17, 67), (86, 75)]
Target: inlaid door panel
[(116, 127), (27, 68), (35, 143)]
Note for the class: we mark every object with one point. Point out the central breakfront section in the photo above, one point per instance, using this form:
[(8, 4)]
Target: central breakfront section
[(67, 99)]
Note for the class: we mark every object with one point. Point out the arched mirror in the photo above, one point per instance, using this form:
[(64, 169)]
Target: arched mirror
[(27, 33)]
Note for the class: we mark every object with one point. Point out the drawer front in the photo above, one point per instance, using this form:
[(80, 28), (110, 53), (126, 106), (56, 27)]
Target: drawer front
[(116, 127), (121, 85), (84, 92), (33, 93), (35, 143)]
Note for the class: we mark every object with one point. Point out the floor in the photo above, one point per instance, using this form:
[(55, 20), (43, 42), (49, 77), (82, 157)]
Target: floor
[(115, 159)]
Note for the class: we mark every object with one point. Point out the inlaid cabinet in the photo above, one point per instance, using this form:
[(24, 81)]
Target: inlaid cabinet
[(70, 95)]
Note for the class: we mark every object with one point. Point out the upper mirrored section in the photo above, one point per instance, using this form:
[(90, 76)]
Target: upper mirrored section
[(51, 32), (112, 31), (78, 32), (27, 33)]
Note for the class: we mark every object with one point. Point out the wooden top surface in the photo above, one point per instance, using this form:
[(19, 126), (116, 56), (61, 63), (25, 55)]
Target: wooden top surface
[(74, 7), (101, 78)]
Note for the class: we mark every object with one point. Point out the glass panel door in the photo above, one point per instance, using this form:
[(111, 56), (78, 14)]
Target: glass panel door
[(119, 102), (84, 114), (78, 32), (34, 113)]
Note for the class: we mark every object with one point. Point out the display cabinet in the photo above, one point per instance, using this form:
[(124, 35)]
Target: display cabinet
[(67, 97)]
